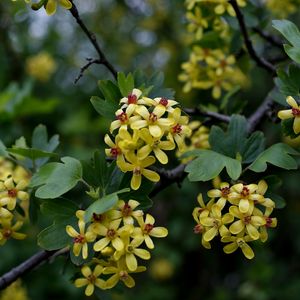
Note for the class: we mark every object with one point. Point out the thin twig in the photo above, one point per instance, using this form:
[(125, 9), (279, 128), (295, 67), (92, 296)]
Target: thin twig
[(261, 62), (269, 38), (168, 177), (90, 62), (257, 117), (213, 115), (102, 58), (28, 265)]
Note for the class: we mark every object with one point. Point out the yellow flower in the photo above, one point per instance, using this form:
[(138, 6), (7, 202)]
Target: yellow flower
[(224, 6), (132, 101), (52, 4), (121, 272), (291, 113), (111, 234), (90, 279), (138, 168), (10, 192), (196, 23), (7, 230), (157, 125), (114, 151), (127, 211), (244, 196), (6, 168), (246, 221), (128, 142), (179, 129), (154, 144), (123, 119), (215, 223), (130, 250), (270, 223), (81, 238), (239, 241), (15, 291), (147, 230), (221, 193)]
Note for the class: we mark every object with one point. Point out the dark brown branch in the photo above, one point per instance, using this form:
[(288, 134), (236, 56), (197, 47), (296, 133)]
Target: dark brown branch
[(28, 265), (91, 61), (269, 38), (213, 115), (261, 62), (168, 177), (257, 117), (102, 58)]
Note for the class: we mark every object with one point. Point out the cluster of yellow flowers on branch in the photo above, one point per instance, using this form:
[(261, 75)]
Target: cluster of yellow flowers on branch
[(118, 237), (239, 214), (144, 126), (13, 184), (209, 67), (49, 5)]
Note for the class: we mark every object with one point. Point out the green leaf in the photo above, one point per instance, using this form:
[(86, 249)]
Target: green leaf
[(102, 205), (57, 179), (288, 82), (234, 143), (126, 84), (106, 109), (55, 237), (110, 91), (31, 153), (278, 155), (289, 30), (292, 52), (58, 208), (3, 151), (209, 165)]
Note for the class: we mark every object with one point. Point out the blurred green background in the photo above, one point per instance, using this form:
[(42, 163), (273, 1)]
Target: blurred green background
[(149, 35)]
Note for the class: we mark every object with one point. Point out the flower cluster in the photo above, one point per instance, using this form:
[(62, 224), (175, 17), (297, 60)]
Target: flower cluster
[(13, 195), (282, 9), (239, 214), (144, 126), (294, 112), (210, 68), (118, 237), (49, 5), (197, 140)]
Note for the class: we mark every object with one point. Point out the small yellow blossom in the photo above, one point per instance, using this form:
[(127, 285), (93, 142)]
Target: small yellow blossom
[(90, 279), (294, 112), (52, 5), (7, 230)]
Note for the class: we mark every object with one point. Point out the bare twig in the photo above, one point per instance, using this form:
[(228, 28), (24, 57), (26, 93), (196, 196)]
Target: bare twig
[(257, 117), (168, 177), (213, 115), (28, 265), (261, 62), (102, 58), (90, 62), (269, 38)]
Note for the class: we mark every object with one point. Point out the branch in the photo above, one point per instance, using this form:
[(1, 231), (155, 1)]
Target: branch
[(257, 117), (28, 265), (269, 38), (261, 62), (168, 177), (102, 58), (91, 61), (213, 115)]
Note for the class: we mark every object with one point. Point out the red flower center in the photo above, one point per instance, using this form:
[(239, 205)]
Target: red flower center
[(296, 112), (164, 101), (225, 191), (137, 171), (98, 217), (148, 228), (245, 192), (12, 193), (79, 239), (115, 152), (198, 229), (177, 128), (132, 99), (153, 118), (122, 117), (126, 210), (247, 220), (111, 233), (268, 222), (7, 233)]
